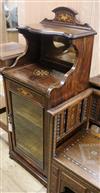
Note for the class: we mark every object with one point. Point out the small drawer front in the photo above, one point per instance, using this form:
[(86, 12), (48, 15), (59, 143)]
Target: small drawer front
[(70, 183), (25, 92)]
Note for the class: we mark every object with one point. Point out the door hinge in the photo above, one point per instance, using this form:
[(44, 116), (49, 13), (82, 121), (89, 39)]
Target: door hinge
[(10, 128)]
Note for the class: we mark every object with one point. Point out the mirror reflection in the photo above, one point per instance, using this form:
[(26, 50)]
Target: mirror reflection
[(11, 13)]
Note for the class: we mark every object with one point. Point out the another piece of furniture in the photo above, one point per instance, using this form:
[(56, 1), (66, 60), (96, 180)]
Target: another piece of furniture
[(75, 165), (54, 68), (95, 81), (8, 54), (12, 34)]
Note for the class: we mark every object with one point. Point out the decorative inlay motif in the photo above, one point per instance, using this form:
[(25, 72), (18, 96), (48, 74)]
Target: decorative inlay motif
[(66, 15), (65, 18), (24, 92), (40, 72)]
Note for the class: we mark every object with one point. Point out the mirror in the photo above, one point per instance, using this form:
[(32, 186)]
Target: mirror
[(11, 13), (9, 21)]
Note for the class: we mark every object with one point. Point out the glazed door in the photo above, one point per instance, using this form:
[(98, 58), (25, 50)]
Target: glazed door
[(27, 128)]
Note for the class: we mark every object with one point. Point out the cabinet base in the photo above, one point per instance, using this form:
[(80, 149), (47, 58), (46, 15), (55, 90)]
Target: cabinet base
[(28, 167)]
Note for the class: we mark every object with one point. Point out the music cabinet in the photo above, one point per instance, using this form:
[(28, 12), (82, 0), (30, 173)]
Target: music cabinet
[(54, 68)]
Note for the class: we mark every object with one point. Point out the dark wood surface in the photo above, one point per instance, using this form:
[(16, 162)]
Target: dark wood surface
[(95, 81), (49, 80), (39, 79), (81, 155), (65, 16), (64, 24), (71, 179), (66, 32)]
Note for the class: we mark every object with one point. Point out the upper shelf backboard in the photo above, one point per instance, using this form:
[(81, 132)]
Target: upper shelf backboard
[(64, 24)]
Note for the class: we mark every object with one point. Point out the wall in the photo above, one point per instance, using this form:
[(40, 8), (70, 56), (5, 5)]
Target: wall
[(34, 11)]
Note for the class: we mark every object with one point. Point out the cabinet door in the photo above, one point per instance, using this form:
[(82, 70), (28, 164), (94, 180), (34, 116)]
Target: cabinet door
[(28, 128)]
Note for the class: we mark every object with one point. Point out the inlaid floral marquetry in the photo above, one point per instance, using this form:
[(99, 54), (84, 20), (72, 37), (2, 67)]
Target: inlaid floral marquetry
[(40, 72), (65, 15), (24, 92)]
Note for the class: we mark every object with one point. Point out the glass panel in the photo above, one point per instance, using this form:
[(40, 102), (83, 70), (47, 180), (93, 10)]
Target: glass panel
[(28, 121)]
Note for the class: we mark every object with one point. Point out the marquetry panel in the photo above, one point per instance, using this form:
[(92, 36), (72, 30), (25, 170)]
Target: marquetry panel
[(25, 92), (71, 117)]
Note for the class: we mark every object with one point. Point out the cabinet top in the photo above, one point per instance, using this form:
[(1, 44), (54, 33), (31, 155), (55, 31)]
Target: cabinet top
[(36, 77), (64, 24)]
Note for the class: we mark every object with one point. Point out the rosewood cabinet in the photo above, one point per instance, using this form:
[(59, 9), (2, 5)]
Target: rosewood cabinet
[(54, 67)]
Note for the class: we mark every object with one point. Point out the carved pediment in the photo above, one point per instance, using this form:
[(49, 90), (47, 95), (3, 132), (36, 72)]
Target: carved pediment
[(67, 15)]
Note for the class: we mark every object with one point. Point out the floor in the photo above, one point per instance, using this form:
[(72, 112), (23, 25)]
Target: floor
[(13, 177)]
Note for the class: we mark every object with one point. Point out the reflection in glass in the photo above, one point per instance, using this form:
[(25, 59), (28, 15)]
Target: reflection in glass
[(28, 122), (59, 53), (11, 13), (65, 51)]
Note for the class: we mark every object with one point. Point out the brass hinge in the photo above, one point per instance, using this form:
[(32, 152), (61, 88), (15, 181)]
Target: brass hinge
[(10, 123)]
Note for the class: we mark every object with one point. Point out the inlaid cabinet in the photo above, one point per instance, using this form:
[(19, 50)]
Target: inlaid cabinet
[(54, 68)]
